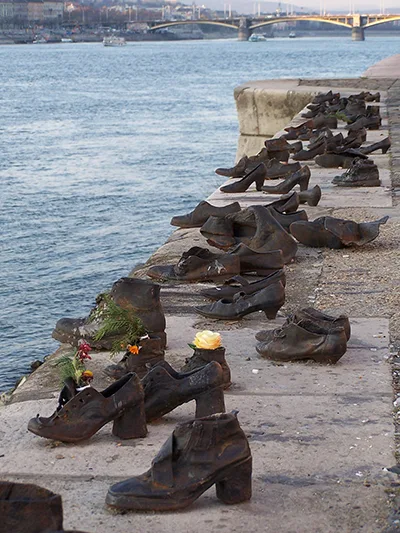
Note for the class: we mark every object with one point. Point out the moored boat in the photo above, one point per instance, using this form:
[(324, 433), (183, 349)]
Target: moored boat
[(113, 40)]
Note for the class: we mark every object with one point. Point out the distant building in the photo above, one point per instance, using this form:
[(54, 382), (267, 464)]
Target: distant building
[(35, 10), (53, 10), (6, 9)]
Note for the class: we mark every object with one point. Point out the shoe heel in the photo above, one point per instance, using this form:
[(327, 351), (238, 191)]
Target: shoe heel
[(236, 486), (272, 312), (384, 150), (132, 423), (210, 402), (304, 184)]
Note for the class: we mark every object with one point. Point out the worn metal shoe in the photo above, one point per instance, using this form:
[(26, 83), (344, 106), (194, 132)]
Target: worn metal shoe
[(142, 296), (257, 176), (238, 171), (270, 300), (335, 233), (289, 203), (198, 264), (362, 173), (321, 319), (198, 454), (261, 262), (275, 169), (300, 177), (286, 219), (343, 160), (204, 210), (310, 196), (305, 340), (90, 410), (165, 389), (202, 357), (383, 145)]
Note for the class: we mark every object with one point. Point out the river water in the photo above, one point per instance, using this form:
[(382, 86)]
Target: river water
[(101, 146)]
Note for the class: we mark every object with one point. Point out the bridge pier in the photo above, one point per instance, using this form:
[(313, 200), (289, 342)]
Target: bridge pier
[(357, 34), (244, 31)]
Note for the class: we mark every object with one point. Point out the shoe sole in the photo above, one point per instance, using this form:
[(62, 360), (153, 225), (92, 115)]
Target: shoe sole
[(364, 184)]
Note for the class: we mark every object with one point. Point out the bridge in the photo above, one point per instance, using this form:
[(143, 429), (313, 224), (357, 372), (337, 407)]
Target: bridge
[(245, 25)]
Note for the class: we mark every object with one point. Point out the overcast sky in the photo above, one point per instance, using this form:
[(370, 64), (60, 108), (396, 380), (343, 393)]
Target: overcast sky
[(359, 5)]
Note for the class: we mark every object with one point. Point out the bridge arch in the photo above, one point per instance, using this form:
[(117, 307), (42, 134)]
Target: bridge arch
[(299, 18), (170, 23), (382, 21)]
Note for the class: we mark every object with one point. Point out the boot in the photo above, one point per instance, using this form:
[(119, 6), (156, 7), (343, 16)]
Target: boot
[(383, 145), (237, 171), (129, 293), (202, 357), (310, 196), (322, 320), (362, 173), (201, 213), (335, 233), (166, 389), (256, 176), (270, 300), (287, 204), (262, 263), (305, 340), (198, 264), (90, 410), (301, 177), (150, 353), (198, 454), (286, 219), (275, 169), (238, 284), (27, 508)]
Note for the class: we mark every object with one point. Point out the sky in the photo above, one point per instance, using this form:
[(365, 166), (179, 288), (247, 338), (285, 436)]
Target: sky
[(370, 6)]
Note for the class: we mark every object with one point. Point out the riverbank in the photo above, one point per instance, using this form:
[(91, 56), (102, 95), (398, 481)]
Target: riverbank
[(321, 437)]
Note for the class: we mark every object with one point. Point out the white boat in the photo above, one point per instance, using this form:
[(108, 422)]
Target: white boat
[(256, 38), (292, 35), (112, 40), (66, 40), (39, 40)]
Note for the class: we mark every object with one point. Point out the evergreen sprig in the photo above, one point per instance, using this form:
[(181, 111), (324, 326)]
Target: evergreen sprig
[(70, 367)]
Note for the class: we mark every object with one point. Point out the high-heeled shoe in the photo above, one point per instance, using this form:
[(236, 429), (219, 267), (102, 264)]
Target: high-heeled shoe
[(164, 390), (237, 171), (307, 155), (383, 145), (310, 196), (256, 176), (302, 178), (275, 169), (198, 454), (89, 410)]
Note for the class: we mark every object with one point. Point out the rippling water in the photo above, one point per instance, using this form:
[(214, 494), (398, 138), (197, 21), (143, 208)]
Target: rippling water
[(101, 146)]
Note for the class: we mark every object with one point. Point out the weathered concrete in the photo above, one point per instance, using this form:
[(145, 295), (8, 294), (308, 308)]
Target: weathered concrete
[(321, 437)]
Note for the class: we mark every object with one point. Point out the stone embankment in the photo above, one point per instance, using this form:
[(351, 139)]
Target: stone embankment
[(321, 436)]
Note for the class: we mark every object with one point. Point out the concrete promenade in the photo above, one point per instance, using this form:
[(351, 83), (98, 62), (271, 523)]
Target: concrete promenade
[(322, 437)]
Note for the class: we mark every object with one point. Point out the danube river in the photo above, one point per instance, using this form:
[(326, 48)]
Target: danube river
[(101, 146)]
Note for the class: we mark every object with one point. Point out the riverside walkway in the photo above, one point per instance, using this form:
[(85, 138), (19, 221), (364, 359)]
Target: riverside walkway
[(322, 437)]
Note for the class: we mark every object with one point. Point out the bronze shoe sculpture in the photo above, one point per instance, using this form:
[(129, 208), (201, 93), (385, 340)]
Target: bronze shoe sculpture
[(336, 233), (240, 284), (305, 340), (275, 169), (383, 145), (202, 357), (198, 454), (142, 296), (286, 219), (270, 300), (287, 204), (90, 410), (313, 315), (254, 226), (336, 160), (198, 264), (257, 176), (204, 210), (362, 173), (301, 178), (28, 508), (165, 389), (261, 262), (238, 171), (310, 196)]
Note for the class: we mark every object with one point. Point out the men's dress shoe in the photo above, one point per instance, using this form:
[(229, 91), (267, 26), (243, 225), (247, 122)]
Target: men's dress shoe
[(90, 410), (362, 173), (166, 389), (319, 318), (198, 264), (287, 204), (151, 351), (295, 147), (305, 340), (261, 262), (256, 227), (371, 123), (204, 210), (343, 160), (326, 97), (285, 220), (198, 454), (256, 176), (270, 300), (238, 171), (301, 178), (202, 357), (335, 233), (328, 121), (275, 169), (383, 145), (310, 196), (307, 155), (142, 296), (239, 284)]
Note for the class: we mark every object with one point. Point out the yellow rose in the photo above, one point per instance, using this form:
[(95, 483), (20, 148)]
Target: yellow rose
[(207, 340)]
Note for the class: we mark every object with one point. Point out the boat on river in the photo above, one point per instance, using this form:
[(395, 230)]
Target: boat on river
[(257, 38), (292, 35), (113, 40)]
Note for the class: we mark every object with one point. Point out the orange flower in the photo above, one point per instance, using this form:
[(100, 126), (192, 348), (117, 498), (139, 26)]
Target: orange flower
[(87, 376), (133, 349)]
